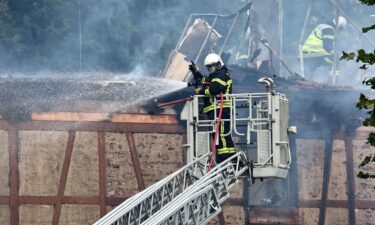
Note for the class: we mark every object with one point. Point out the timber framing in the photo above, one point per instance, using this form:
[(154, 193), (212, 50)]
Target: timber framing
[(102, 173), (350, 180), (137, 123), (72, 123), (221, 217), (95, 126), (136, 163), (63, 177), (14, 177), (326, 177)]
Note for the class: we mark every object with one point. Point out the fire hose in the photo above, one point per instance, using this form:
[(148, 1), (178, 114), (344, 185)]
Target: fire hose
[(213, 153), (161, 105)]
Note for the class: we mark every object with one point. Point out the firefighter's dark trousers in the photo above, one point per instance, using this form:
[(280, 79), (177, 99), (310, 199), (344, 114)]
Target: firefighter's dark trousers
[(225, 147)]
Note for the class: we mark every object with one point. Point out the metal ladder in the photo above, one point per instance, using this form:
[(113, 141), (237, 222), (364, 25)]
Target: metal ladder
[(192, 195)]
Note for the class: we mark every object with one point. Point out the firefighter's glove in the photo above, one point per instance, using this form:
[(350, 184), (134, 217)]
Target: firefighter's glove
[(193, 68), (197, 90)]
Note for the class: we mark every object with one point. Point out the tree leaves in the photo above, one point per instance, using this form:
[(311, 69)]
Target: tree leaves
[(361, 56), (365, 103), (347, 56), (367, 160), (368, 2), (365, 175), (366, 29)]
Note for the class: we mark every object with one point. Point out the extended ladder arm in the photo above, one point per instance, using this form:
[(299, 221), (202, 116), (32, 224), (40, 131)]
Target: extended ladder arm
[(201, 202), (141, 206)]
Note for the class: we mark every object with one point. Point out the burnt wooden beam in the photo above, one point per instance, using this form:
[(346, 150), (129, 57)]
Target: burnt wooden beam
[(145, 118), (329, 203), (337, 204), (51, 200), (94, 127), (136, 162), (14, 177), (80, 200), (70, 116), (221, 217), (97, 117), (365, 204), (71, 200), (102, 173), (350, 180), (308, 203), (274, 215), (63, 177), (293, 179), (37, 200), (234, 202), (359, 204), (115, 201), (326, 178), (184, 152)]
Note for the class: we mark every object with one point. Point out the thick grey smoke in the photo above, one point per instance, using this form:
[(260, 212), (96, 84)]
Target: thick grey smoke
[(121, 36), (94, 35), (349, 39)]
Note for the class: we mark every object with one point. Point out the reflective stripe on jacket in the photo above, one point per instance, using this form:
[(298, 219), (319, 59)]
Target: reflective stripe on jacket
[(314, 45), (220, 82)]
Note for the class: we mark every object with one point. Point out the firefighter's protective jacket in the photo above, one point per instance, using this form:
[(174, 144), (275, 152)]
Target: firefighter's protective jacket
[(220, 82), (320, 41)]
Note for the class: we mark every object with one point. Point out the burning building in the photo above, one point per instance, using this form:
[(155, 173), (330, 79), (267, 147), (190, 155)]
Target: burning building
[(73, 149)]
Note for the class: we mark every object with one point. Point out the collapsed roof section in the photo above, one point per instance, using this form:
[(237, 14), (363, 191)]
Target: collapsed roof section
[(242, 39)]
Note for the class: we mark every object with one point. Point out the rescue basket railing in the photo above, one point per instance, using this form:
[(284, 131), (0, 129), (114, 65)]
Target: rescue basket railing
[(258, 122)]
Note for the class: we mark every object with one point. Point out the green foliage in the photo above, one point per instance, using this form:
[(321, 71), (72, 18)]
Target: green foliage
[(361, 56), (368, 2), (365, 103), (367, 160), (347, 56), (365, 175), (366, 29)]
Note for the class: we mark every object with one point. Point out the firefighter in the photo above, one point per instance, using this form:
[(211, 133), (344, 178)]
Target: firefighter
[(318, 49), (219, 82)]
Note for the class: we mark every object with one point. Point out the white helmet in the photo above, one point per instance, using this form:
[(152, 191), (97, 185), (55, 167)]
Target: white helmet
[(341, 22), (213, 62)]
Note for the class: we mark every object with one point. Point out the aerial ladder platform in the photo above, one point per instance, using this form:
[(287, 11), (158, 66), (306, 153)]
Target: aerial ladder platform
[(194, 193)]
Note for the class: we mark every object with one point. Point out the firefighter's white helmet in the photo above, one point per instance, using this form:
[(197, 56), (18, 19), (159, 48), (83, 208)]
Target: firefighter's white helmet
[(341, 22), (213, 62)]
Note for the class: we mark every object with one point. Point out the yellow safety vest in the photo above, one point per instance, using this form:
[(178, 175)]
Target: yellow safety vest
[(313, 46)]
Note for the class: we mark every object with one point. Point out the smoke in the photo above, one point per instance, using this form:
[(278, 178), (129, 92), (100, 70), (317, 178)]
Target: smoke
[(94, 35), (349, 39), (122, 36)]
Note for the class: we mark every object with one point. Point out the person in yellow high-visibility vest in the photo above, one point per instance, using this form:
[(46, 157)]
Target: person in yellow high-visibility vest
[(318, 49)]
